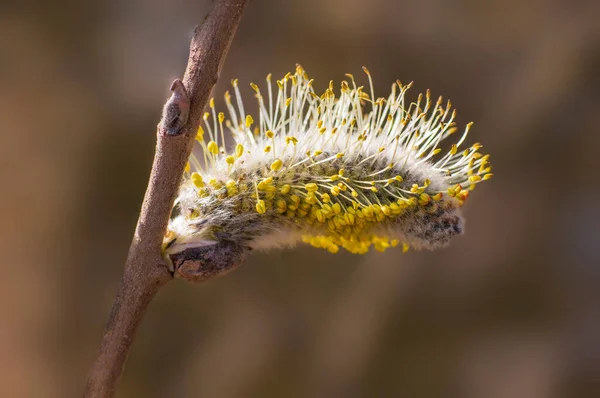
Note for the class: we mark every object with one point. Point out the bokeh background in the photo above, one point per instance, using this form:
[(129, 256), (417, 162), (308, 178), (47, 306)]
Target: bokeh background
[(511, 309)]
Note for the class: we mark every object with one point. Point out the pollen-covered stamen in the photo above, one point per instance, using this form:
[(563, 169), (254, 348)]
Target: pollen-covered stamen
[(322, 167)]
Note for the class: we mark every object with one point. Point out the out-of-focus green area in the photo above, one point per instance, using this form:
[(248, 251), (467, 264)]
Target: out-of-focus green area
[(508, 310)]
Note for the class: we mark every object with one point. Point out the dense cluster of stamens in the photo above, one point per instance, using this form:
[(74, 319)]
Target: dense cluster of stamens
[(334, 170)]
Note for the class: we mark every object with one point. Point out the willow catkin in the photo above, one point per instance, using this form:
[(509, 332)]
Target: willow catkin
[(345, 170)]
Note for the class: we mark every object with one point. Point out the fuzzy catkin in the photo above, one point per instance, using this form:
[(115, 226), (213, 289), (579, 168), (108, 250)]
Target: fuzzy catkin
[(346, 170)]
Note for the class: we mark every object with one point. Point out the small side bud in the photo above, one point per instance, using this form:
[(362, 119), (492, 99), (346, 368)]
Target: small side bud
[(176, 110)]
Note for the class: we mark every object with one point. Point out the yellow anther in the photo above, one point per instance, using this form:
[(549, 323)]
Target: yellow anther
[(474, 178), (395, 209), (260, 207), (249, 121), (221, 117), (212, 103), (311, 198), (291, 139), (276, 165), (230, 160), (267, 149), (487, 176), (340, 155), (386, 210), (200, 134), (332, 248), (214, 183), (213, 148), (320, 216), (282, 204), (463, 195), (187, 167), (288, 102), (349, 218), (337, 208), (266, 181), (301, 213), (203, 192), (325, 198), (311, 187), (231, 188), (285, 189), (239, 150), (197, 180), (269, 134), (424, 199), (335, 191)]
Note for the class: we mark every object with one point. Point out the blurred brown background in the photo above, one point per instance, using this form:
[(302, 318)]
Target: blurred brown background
[(511, 309)]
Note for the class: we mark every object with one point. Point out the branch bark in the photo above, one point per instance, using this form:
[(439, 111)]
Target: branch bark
[(145, 269)]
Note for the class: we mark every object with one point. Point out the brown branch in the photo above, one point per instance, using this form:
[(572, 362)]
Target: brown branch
[(145, 269)]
